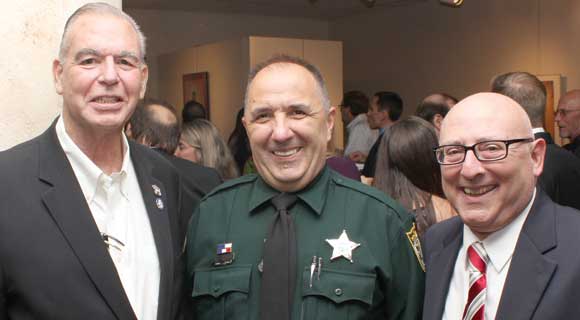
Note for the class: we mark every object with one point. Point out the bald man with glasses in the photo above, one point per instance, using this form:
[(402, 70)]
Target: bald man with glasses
[(510, 254)]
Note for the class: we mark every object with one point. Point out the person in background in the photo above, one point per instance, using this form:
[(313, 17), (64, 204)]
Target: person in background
[(239, 144), (201, 143), (155, 125), (386, 108), (193, 110), (568, 120), (560, 178), (408, 172), (360, 137)]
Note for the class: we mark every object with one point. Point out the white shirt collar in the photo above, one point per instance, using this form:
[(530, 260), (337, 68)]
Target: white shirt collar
[(501, 244), (86, 171), (538, 130), (358, 119)]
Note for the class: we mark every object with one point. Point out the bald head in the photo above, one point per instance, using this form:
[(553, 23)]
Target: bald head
[(482, 111), (489, 194), (568, 115)]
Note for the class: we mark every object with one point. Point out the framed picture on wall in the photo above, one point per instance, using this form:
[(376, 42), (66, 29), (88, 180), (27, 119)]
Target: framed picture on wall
[(553, 84), (196, 87)]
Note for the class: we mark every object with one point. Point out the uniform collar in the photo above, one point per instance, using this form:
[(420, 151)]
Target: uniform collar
[(312, 195)]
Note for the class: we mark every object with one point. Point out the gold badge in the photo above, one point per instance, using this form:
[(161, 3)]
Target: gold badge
[(416, 245)]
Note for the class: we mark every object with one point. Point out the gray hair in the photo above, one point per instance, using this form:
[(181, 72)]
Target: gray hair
[(286, 59), (99, 8)]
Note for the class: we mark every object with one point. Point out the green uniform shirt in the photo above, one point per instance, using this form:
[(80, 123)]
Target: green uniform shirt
[(384, 281)]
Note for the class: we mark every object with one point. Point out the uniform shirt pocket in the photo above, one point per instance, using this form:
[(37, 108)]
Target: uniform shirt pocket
[(221, 293), (337, 294)]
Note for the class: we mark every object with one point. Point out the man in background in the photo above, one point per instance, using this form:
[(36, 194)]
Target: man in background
[(386, 108), (568, 120), (435, 107), (560, 178), (360, 137), (155, 125)]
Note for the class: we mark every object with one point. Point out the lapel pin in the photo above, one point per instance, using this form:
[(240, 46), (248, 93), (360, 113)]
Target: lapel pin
[(342, 247), (156, 190), (159, 203), (224, 254)]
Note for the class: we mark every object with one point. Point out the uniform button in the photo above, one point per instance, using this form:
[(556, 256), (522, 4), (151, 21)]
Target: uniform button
[(338, 291), (216, 289)]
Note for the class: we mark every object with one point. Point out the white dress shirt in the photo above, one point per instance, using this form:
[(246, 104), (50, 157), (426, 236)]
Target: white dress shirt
[(117, 207), (360, 136), (500, 247)]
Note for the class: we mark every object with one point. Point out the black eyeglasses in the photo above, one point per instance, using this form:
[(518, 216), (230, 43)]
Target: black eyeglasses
[(492, 150)]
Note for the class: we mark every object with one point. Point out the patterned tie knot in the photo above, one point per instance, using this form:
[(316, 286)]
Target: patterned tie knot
[(283, 201), (478, 258)]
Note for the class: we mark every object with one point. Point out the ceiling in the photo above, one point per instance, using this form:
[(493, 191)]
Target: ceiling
[(320, 9)]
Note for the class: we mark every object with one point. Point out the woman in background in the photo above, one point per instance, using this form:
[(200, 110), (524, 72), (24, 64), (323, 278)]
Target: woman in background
[(408, 172), (240, 146), (201, 143)]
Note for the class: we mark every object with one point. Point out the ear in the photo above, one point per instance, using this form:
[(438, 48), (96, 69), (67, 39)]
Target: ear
[(128, 131), (330, 122), (538, 156), (437, 119), (57, 69), (144, 78)]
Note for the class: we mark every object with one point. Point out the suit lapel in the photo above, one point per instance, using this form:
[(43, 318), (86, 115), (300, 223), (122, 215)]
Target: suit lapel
[(155, 198), (440, 270), (67, 206), (530, 272)]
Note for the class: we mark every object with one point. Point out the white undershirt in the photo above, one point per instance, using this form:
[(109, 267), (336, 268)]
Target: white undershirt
[(118, 209), (500, 247)]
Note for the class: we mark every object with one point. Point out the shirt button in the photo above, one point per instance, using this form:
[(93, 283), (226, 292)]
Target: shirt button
[(338, 291)]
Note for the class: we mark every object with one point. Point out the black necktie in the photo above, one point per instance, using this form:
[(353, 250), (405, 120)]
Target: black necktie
[(279, 274)]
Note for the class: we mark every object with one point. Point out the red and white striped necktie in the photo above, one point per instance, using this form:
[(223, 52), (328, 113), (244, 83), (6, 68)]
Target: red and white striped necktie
[(477, 260)]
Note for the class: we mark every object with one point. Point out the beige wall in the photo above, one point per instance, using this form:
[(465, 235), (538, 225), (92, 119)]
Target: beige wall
[(419, 49), (30, 34), (226, 63), (168, 31)]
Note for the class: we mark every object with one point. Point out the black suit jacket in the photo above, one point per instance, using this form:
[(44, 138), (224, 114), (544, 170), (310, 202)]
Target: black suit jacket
[(574, 147), (197, 179), (561, 176), (371, 161), (53, 263), (543, 280)]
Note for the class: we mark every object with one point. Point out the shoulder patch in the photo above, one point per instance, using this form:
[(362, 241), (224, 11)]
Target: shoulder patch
[(416, 245), (232, 183)]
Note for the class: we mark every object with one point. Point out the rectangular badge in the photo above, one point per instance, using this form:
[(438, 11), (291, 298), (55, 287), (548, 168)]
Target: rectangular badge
[(224, 248)]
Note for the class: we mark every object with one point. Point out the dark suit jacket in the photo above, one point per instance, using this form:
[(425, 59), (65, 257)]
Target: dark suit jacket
[(53, 263), (574, 147), (196, 179), (371, 161), (544, 277), (561, 176)]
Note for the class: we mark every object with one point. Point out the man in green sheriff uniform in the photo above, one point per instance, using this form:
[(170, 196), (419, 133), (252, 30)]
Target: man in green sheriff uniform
[(356, 254)]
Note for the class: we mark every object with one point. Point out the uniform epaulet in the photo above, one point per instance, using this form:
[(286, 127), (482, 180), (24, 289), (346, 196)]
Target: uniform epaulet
[(232, 183), (374, 193)]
